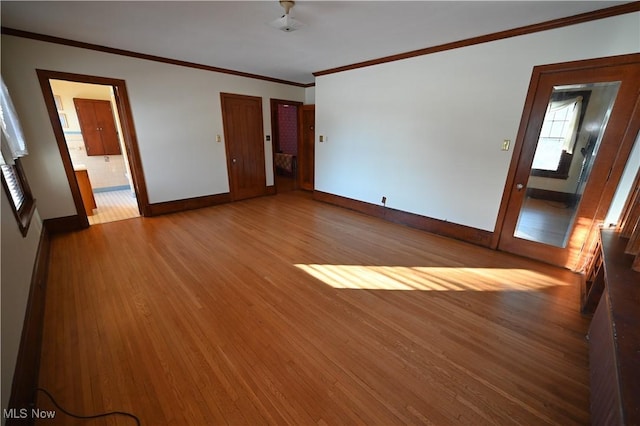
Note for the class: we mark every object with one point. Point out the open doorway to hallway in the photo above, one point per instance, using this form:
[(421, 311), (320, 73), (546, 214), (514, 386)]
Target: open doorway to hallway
[(92, 131), (284, 124)]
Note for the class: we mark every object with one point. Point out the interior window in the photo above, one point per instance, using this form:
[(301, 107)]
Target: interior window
[(552, 136), (560, 128)]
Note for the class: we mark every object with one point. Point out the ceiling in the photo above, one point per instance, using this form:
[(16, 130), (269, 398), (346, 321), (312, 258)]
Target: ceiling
[(235, 35)]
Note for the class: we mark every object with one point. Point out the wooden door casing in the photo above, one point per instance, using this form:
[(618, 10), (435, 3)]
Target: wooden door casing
[(129, 138), (306, 147), (244, 136), (607, 169), (98, 126)]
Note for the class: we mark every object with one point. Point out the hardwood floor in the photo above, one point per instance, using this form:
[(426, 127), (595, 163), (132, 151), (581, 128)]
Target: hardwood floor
[(283, 310), (545, 221), (285, 183)]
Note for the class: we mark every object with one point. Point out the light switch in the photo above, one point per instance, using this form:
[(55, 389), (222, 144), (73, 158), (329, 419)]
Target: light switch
[(505, 144), (268, 138), (321, 138), (218, 138)]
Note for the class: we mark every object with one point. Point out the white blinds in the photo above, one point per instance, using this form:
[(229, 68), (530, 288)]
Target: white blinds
[(13, 143), (13, 184), (572, 127)]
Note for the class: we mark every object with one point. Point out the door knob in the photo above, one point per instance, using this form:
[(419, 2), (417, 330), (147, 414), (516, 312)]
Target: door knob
[(233, 161), (519, 187)]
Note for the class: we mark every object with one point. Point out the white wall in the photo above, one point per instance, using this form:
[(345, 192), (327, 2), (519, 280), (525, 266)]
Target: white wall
[(310, 95), (18, 256), (625, 185), (426, 132), (176, 113)]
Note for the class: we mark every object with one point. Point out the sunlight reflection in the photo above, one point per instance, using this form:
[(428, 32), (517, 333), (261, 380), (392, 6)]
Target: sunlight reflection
[(430, 278)]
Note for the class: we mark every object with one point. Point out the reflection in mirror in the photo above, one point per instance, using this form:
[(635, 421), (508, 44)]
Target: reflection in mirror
[(571, 133)]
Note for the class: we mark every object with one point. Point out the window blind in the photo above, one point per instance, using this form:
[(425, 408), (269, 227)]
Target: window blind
[(13, 184)]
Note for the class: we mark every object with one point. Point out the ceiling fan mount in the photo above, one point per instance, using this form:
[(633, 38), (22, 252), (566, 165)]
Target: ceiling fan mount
[(286, 23), (287, 5)]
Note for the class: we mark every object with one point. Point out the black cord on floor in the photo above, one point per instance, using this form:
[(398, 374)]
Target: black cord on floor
[(94, 416)]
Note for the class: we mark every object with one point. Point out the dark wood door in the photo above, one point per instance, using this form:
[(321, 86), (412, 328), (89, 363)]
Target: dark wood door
[(242, 120), (554, 218), (98, 126), (306, 147)]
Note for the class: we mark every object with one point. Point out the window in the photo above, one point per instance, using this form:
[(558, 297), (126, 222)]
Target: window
[(12, 148), (15, 184), (560, 128), (14, 187)]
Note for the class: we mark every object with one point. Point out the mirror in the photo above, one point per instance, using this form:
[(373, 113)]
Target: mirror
[(568, 142)]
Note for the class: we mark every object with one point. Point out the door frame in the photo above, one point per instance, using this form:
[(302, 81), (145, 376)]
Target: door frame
[(626, 144), (275, 130), (128, 136), (302, 133)]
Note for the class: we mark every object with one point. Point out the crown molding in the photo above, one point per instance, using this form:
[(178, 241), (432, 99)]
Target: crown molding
[(131, 54), (528, 29)]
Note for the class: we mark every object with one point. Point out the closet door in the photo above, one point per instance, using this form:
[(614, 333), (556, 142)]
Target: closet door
[(244, 142)]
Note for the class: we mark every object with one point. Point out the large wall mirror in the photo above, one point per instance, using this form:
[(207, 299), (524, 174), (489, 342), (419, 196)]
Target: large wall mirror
[(568, 143)]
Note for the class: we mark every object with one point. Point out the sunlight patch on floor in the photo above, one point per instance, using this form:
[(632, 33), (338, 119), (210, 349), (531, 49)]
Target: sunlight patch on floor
[(429, 278)]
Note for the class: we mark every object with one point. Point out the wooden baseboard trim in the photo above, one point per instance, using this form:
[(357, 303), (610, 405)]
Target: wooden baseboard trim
[(25, 376), (452, 230), (65, 224), (271, 190), (167, 207)]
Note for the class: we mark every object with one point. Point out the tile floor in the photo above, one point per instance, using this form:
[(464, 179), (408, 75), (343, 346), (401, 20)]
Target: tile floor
[(114, 205)]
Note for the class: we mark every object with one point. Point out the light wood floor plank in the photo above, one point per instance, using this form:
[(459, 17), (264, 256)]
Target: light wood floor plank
[(283, 310)]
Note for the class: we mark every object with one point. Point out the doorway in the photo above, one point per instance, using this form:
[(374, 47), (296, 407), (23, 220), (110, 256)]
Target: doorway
[(93, 135), (574, 140), (242, 122), (285, 132), (92, 123)]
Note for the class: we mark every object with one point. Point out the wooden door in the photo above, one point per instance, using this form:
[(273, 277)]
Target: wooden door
[(552, 218), (306, 147), (98, 126), (242, 120)]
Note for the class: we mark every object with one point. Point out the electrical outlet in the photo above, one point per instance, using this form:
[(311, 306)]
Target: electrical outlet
[(384, 200), (505, 144)]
